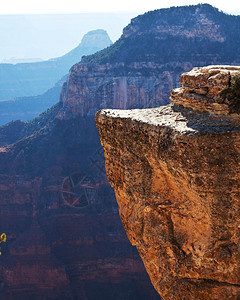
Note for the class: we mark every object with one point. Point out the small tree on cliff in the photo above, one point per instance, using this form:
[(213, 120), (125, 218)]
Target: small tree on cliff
[(3, 238)]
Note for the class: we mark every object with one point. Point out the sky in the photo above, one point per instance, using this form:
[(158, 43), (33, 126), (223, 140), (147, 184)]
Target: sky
[(47, 36), (50, 28), (71, 6)]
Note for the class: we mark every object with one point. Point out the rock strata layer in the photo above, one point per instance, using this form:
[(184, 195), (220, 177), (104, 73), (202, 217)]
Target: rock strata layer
[(203, 89), (91, 87), (175, 171)]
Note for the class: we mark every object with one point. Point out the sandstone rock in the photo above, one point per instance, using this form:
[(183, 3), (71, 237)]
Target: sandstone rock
[(202, 89), (175, 171)]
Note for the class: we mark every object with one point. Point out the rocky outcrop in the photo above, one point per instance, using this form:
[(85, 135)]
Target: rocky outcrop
[(211, 89), (175, 172)]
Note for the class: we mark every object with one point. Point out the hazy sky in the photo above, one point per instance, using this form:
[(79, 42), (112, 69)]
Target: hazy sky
[(70, 6), (51, 28), (52, 35)]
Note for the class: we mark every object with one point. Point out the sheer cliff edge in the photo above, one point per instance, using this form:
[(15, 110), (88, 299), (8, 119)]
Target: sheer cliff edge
[(175, 171)]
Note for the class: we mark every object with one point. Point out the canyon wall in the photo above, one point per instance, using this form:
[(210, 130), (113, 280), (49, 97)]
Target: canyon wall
[(53, 180), (92, 86), (64, 236), (175, 172), (140, 69)]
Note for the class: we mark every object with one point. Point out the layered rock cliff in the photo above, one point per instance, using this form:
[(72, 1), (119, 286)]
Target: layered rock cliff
[(140, 69), (65, 237), (175, 172), (91, 87)]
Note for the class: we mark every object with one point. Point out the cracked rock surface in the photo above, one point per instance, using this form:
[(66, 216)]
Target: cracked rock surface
[(175, 171)]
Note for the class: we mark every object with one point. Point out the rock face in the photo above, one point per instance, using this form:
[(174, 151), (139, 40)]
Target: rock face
[(175, 172), (91, 87)]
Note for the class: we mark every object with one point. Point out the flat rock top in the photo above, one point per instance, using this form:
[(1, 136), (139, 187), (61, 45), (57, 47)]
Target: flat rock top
[(161, 116), (217, 68), (180, 119)]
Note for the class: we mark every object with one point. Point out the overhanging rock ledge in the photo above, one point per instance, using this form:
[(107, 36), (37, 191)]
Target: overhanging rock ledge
[(175, 172)]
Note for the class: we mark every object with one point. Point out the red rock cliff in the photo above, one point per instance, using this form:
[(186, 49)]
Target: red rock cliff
[(175, 171)]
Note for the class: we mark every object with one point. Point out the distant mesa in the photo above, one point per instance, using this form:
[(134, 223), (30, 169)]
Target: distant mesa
[(95, 39), (36, 86), (31, 79)]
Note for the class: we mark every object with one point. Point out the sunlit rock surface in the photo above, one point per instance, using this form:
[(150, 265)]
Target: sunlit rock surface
[(175, 172)]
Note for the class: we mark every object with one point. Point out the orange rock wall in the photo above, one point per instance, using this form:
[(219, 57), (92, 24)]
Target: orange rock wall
[(175, 172)]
